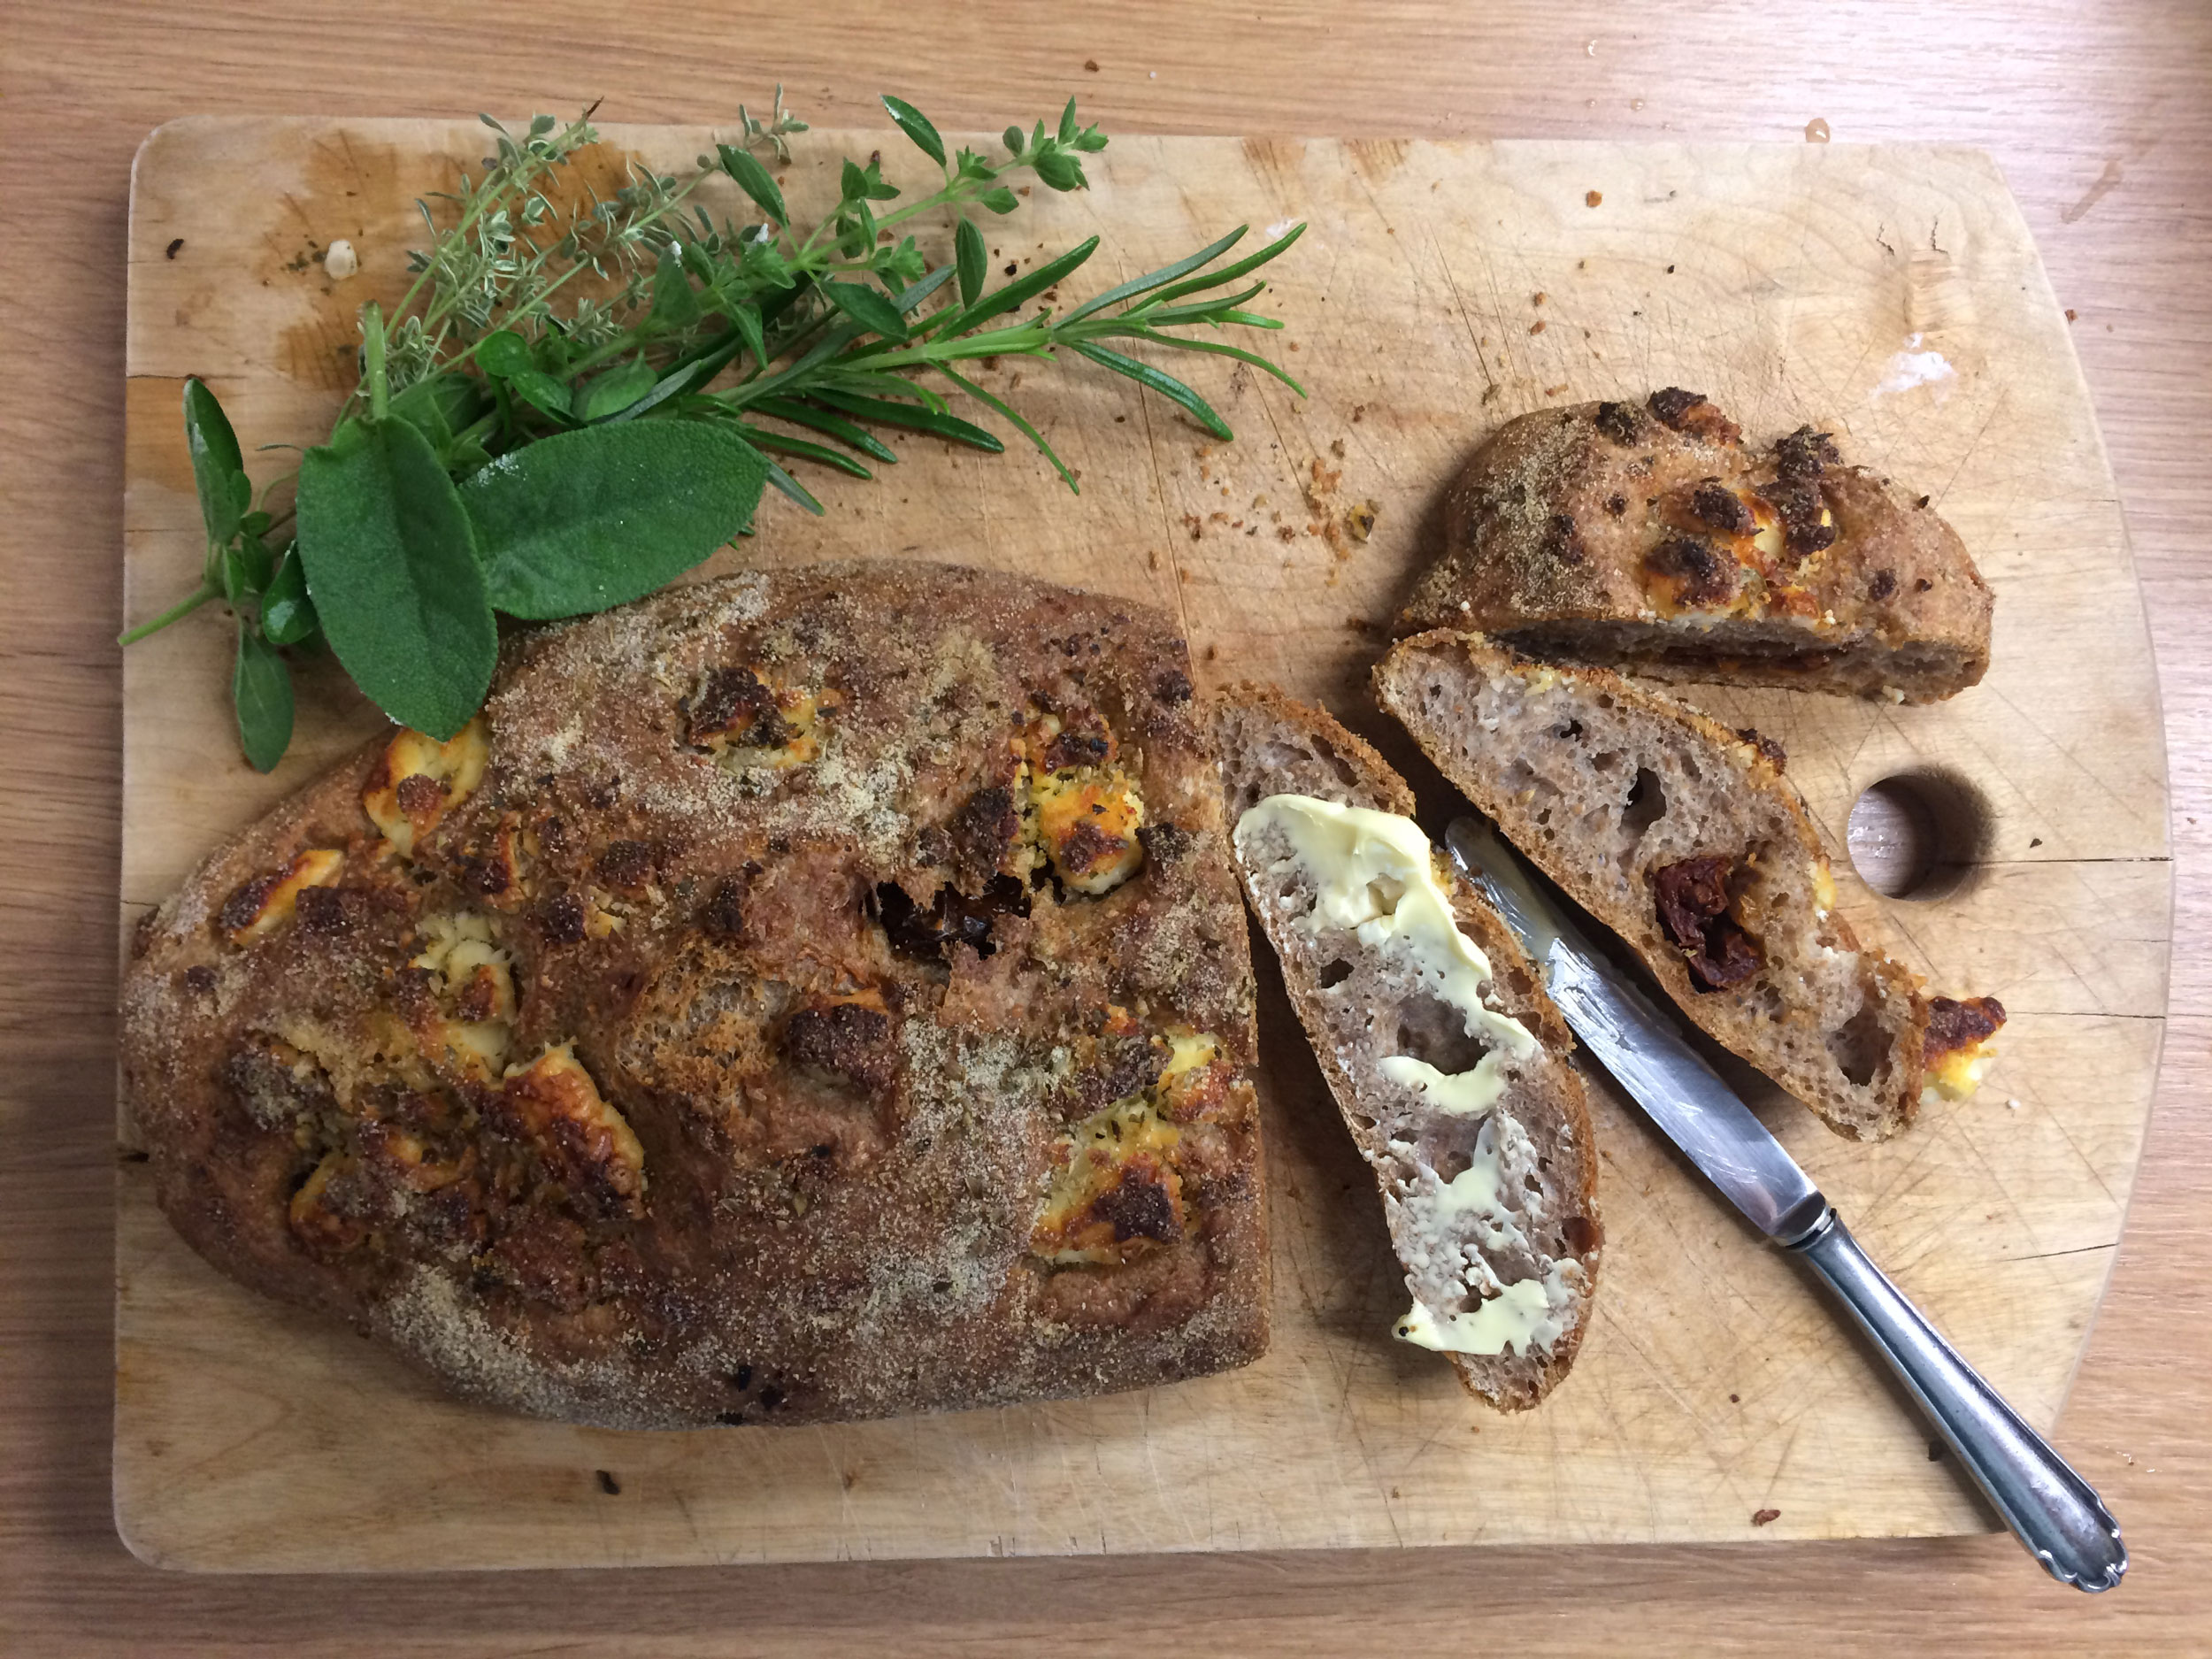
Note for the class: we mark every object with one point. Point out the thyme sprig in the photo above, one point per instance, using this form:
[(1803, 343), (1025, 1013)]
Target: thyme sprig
[(580, 395)]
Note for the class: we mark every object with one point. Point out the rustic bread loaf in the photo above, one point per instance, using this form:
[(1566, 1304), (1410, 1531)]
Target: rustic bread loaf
[(1655, 541), (1444, 1056), (1683, 838), (807, 995)]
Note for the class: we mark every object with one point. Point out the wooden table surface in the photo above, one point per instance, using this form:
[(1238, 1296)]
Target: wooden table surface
[(2101, 118)]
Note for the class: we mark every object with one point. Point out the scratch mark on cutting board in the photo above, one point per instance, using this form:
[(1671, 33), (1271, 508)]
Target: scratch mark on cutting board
[(1466, 317), (1167, 526)]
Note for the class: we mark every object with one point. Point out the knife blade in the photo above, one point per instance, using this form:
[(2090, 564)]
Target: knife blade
[(2051, 1509)]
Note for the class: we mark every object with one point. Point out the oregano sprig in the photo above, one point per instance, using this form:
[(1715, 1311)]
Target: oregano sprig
[(582, 395)]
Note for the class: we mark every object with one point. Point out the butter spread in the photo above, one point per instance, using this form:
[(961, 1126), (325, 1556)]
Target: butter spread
[(1374, 875)]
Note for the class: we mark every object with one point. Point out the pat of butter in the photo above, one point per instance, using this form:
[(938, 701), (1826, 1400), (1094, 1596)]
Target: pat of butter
[(1374, 876), (1520, 1313)]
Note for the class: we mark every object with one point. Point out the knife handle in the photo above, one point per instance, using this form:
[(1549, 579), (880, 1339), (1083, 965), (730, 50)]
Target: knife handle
[(2053, 1511)]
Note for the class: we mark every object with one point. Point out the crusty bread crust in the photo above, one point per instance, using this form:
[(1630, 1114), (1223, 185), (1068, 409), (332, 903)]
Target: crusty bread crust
[(1626, 798), (806, 1029), (1271, 744), (1652, 539)]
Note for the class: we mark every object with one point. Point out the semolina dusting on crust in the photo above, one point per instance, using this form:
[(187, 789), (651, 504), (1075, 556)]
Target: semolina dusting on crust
[(699, 1037)]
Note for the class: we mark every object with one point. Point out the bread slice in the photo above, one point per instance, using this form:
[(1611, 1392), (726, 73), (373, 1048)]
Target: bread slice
[(1654, 540), (816, 994), (1415, 1014), (1683, 838)]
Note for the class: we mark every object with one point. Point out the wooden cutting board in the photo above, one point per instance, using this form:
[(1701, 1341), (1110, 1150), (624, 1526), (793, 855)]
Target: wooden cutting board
[(1892, 294)]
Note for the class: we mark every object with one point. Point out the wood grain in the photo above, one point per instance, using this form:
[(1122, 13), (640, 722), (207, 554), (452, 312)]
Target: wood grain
[(1786, 280), (2097, 118)]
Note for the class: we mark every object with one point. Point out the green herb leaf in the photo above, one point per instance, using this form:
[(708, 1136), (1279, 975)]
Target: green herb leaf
[(391, 564), (836, 425), (752, 179), (675, 302), (1151, 279), (784, 443), (916, 125), (1012, 139), (1000, 201), (287, 615), (261, 691), (1166, 385), (967, 244), (1061, 171), (1018, 292), (583, 520), (614, 391), (1230, 274), (217, 469), (244, 567), (542, 392), (916, 420), (1067, 123), (504, 353), (1021, 425), (872, 309)]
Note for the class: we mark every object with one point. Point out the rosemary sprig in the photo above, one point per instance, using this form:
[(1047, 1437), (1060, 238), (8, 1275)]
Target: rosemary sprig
[(632, 365)]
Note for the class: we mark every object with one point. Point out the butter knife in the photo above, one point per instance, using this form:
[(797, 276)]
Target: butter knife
[(2052, 1509)]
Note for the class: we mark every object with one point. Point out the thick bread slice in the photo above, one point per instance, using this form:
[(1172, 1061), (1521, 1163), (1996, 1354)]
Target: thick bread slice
[(1654, 540), (1361, 1002), (1683, 837)]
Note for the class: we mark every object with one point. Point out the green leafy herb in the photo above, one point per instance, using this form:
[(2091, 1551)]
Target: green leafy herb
[(261, 690), (392, 567), (590, 520), (578, 397)]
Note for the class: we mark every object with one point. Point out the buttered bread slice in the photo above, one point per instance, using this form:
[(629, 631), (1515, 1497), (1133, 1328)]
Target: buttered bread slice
[(1443, 1053)]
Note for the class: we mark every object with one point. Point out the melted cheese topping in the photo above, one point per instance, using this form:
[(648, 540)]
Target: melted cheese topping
[(1957, 1074), (454, 769), (317, 867), (1127, 1139), (479, 987), (555, 1090)]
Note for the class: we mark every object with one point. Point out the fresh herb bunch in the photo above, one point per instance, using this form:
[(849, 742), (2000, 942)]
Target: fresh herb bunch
[(574, 404)]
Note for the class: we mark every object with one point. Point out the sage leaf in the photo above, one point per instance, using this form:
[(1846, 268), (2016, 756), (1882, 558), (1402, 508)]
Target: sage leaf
[(287, 615), (754, 180), (967, 244), (583, 520), (392, 568), (916, 125), (217, 469), (261, 691), (871, 310)]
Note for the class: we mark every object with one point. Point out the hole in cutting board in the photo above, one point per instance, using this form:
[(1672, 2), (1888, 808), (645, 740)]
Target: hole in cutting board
[(1918, 835)]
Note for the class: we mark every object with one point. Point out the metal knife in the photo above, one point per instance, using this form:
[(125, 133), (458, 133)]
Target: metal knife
[(2053, 1511)]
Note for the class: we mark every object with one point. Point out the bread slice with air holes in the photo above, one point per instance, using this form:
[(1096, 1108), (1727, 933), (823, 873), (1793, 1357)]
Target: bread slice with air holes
[(1442, 1051), (1683, 838)]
